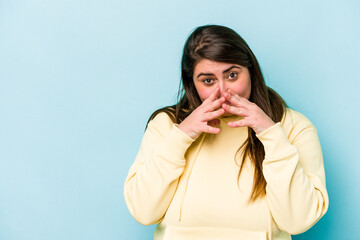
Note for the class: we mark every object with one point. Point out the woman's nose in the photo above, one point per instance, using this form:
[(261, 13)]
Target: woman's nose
[(223, 88)]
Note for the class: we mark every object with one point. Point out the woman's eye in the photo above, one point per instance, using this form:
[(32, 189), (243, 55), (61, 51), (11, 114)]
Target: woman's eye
[(208, 81), (232, 75)]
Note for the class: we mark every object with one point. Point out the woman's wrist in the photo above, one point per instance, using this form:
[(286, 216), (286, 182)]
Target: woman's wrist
[(187, 131), (265, 126)]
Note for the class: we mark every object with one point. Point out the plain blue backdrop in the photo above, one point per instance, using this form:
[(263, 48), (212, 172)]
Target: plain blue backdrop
[(78, 80)]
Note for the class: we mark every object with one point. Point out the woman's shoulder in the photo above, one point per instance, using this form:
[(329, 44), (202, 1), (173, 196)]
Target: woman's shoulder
[(161, 122), (295, 122), (161, 118), (295, 116)]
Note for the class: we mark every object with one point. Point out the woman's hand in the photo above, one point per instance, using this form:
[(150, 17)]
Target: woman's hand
[(254, 116), (204, 117)]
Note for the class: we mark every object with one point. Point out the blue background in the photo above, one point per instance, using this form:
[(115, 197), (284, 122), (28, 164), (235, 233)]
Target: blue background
[(78, 80)]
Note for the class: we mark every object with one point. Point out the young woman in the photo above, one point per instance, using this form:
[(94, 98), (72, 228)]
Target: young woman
[(230, 160)]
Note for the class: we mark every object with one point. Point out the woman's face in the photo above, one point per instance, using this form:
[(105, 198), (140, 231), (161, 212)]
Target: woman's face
[(208, 74)]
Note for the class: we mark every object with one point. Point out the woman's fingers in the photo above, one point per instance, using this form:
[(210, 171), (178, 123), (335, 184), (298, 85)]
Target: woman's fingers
[(212, 96), (239, 123), (235, 110), (236, 100), (214, 114), (215, 104), (238, 97), (210, 129), (204, 118)]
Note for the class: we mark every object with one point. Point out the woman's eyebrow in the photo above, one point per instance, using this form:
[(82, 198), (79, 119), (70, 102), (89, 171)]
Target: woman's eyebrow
[(230, 68), (210, 74)]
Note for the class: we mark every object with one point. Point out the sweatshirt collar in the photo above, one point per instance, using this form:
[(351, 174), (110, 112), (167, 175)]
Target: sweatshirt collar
[(230, 118)]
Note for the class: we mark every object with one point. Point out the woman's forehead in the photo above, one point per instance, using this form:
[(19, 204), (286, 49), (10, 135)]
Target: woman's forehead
[(210, 66)]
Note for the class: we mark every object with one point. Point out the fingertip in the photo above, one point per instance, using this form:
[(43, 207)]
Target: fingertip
[(232, 124), (229, 124), (213, 130), (227, 95)]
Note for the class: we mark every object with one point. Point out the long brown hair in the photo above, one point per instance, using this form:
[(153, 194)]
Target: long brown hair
[(222, 44)]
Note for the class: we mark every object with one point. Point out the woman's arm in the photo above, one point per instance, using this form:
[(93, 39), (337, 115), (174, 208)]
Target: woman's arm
[(153, 177), (293, 167), (294, 171)]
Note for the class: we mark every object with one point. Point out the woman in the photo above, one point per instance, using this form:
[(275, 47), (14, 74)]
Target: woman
[(229, 160)]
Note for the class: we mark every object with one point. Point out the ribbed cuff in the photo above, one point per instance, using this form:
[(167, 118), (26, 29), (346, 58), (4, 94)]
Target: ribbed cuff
[(176, 143), (275, 141)]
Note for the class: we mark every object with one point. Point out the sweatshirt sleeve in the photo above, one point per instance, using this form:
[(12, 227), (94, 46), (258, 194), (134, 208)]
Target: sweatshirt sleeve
[(294, 172), (153, 177)]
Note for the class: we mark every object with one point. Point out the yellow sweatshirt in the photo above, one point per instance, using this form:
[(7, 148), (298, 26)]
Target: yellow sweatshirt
[(190, 187)]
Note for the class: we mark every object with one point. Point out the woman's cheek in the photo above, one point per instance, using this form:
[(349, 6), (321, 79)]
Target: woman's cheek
[(204, 94), (241, 91)]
